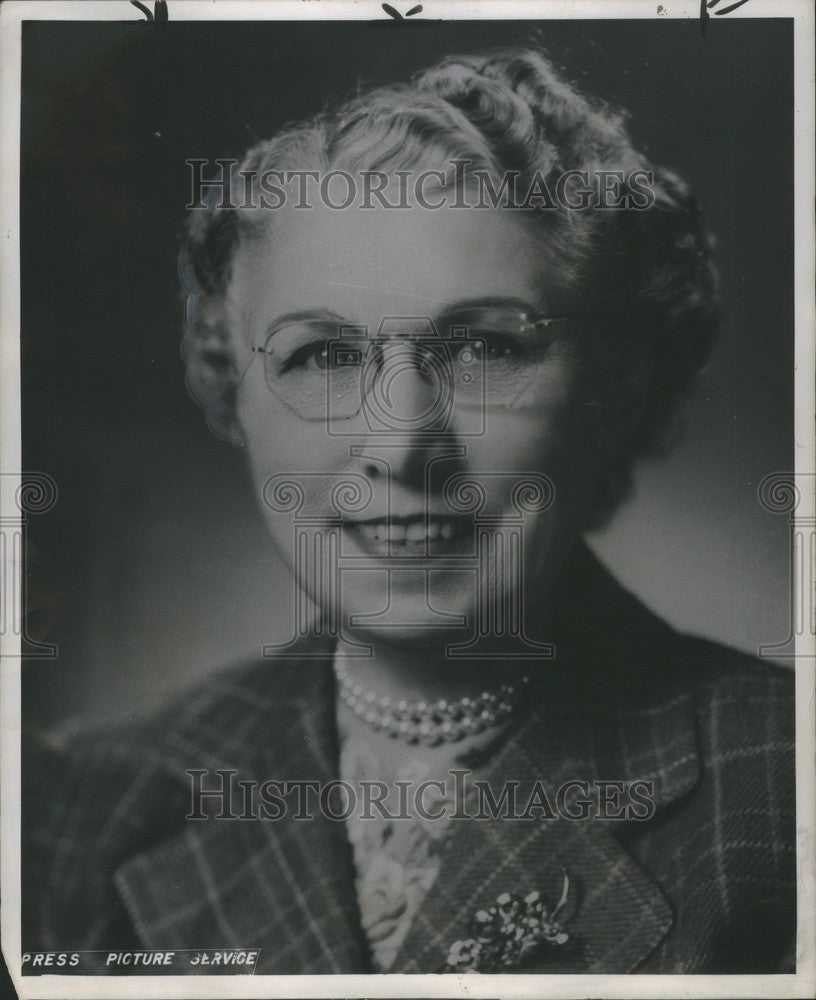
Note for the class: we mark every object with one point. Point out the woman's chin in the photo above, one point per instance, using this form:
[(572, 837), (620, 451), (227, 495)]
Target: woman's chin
[(405, 637), (408, 608)]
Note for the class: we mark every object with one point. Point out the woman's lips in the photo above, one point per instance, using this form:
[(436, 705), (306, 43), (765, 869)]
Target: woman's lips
[(408, 533)]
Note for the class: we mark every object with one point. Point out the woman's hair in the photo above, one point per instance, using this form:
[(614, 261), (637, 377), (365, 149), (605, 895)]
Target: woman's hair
[(504, 111)]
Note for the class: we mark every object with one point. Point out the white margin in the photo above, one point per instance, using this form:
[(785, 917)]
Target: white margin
[(803, 984)]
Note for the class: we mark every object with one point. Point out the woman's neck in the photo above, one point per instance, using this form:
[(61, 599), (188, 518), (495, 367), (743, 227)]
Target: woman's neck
[(427, 674)]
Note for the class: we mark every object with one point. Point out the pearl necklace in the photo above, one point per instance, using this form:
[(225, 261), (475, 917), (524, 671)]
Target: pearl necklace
[(434, 722)]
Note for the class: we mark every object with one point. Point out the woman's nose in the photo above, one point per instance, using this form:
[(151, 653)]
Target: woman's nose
[(409, 410)]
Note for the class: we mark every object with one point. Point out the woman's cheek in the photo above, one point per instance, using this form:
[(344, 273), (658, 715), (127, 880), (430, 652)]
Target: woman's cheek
[(278, 441)]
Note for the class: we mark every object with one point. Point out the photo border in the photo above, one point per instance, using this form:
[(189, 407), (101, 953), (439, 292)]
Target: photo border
[(12, 14)]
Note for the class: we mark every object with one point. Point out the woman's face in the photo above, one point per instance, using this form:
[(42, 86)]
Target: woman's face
[(530, 404)]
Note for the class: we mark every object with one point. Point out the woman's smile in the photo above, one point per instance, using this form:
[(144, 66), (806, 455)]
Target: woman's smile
[(413, 534)]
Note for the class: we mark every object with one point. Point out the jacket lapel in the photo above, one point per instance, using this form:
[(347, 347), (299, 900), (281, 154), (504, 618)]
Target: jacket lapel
[(615, 916), (284, 887), (617, 708)]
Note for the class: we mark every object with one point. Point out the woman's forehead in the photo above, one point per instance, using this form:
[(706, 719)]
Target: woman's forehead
[(368, 263)]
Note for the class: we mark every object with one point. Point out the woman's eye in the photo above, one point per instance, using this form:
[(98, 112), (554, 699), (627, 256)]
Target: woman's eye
[(309, 357), (493, 346)]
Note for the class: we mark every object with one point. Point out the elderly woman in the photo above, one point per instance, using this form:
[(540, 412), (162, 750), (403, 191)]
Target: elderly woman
[(477, 752)]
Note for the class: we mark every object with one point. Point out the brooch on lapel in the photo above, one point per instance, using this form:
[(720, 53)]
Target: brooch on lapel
[(508, 932)]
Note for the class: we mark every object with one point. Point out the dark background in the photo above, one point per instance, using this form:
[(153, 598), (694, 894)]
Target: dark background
[(154, 566)]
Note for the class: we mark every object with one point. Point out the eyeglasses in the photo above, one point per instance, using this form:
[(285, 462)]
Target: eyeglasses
[(488, 357)]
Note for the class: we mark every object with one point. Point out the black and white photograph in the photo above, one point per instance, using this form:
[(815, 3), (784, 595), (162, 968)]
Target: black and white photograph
[(407, 485)]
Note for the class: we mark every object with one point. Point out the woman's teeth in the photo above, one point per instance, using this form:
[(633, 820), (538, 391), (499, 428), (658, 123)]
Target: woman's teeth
[(414, 531)]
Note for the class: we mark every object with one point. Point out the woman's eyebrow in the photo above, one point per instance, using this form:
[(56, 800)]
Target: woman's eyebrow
[(301, 315), (490, 302), (461, 305)]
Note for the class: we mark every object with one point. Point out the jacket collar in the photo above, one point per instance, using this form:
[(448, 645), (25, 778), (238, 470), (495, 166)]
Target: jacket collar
[(618, 706)]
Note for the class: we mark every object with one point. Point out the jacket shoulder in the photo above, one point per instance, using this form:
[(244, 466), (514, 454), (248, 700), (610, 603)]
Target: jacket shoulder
[(97, 793), (726, 852), (88, 801), (736, 693), (99, 763), (745, 718)]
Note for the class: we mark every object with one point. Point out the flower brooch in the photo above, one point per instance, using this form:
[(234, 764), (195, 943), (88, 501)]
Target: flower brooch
[(508, 932)]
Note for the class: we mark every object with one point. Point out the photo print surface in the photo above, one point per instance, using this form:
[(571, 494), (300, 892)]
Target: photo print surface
[(410, 498)]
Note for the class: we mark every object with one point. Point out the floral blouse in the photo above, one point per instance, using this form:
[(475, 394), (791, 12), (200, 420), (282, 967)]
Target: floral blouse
[(396, 860)]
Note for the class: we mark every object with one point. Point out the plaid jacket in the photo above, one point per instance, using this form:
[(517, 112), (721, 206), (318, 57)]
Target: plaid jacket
[(706, 885)]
